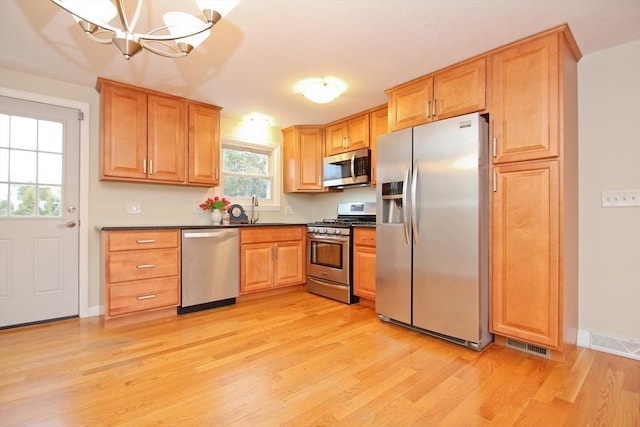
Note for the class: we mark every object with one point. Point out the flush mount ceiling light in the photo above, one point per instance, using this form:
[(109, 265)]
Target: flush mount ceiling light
[(185, 31), (320, 89)]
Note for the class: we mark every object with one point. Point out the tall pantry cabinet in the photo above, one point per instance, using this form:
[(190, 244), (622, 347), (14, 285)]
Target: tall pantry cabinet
[(534, 245)]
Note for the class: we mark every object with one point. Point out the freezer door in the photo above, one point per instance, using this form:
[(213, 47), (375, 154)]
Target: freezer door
[(446, 254), (393, 251)]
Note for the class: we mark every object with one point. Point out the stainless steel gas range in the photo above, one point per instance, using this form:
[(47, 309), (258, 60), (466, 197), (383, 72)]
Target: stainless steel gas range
[(329, 254)]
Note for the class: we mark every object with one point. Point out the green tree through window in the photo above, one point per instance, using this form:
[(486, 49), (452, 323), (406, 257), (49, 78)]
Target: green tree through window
[(246, 172)]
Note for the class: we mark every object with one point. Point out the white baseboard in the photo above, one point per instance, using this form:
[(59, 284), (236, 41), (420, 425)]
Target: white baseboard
[(617, 346), (584, 338), (96, 310)]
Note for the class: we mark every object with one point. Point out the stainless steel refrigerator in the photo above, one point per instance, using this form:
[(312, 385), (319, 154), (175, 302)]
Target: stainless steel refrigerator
[(432, 227)]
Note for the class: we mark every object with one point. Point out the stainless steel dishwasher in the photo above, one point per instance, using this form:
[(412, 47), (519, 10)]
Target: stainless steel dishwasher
[(210, 268)]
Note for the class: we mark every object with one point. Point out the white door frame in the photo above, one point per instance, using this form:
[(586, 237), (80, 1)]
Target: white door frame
[(85, 139)]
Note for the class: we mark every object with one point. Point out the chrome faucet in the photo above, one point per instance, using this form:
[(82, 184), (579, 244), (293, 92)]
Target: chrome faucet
[(254, 202)]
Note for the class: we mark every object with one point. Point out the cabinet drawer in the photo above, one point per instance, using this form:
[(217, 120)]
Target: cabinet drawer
[(271, 234), (364, 236), (143, 295), (151, 239), (136, 265)]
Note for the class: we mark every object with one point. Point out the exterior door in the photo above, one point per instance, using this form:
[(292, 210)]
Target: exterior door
[(39, 196)]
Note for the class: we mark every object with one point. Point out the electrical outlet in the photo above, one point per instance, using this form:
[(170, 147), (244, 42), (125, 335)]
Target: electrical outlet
[(620, 198), (134, 208), (287, 210), (196, 209)]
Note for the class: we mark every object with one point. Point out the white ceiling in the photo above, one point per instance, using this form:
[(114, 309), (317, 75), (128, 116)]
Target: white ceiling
[(258, 51)]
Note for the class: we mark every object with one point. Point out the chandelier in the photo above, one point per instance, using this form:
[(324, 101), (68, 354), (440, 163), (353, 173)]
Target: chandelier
[(181, 33)]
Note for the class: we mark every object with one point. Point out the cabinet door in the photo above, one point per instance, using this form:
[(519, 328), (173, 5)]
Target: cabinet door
[(256, 267), (204, 145), (525, 116), (379, 122), (336, 138), (525, 293), (303, 149), (166, 143), (364, 271), (410, 105), (289, 263), (460, 90), (123, 132), (309, 164), (358, 133)]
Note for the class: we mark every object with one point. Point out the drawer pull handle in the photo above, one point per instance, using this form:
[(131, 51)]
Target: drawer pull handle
[(145, 266), (146, 241), (367, 238), (150, 296)]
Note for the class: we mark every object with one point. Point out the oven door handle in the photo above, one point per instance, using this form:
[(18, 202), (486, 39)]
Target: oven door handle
[(327, 239)]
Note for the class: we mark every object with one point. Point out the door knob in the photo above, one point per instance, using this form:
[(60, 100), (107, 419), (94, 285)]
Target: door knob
[(70, 224)]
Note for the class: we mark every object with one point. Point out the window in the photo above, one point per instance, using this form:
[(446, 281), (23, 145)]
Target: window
[(30, 167), (247, 170)]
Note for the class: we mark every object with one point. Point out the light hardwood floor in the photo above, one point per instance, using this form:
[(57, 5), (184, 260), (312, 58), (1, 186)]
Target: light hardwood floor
[(296, 359)]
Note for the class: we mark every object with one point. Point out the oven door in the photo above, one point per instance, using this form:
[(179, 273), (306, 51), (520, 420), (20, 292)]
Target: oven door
[(328, 257)]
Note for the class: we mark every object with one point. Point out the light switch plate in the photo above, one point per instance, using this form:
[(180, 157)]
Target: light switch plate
[(620, 198)]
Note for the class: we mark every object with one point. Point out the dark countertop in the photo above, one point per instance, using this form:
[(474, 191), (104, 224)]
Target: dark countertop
[(194, 227)]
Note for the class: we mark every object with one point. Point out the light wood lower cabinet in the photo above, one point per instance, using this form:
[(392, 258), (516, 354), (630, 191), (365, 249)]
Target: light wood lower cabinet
[(364, 263), (271, 257), (525, 253), (141, 271)]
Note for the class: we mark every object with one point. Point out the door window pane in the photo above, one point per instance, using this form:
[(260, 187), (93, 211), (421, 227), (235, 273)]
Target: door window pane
[(50, 136), (49, 200), (24, 133), (49, 168), (22, 166), (23, 200)]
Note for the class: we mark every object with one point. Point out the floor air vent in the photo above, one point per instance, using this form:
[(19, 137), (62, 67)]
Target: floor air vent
[(617, 346), (528, 348)]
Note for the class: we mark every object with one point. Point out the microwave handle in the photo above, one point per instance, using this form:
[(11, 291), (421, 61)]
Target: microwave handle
[(353, 167)]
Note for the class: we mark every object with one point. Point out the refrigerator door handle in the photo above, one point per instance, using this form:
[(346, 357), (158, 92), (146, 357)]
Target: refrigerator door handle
[(405, 184), (414, 203)]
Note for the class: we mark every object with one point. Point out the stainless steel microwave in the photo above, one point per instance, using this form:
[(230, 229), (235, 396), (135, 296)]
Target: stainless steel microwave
[(349, 169)]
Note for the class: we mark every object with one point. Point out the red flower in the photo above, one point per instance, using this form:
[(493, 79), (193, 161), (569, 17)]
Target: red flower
[(215, 203)]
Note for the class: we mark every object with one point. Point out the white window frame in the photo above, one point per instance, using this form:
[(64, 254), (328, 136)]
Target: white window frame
[(271, 150)]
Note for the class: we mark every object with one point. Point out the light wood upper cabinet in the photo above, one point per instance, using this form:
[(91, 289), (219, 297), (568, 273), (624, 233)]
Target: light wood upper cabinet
[(379, 121), (364, 262), (123, 132), (147, 136), (271, 257), (303, 152), (525, 119), (348, 135), (451, 92), (166, 139), (204, 144)]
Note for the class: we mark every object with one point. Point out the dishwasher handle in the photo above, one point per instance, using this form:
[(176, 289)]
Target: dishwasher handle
[(206, 234)]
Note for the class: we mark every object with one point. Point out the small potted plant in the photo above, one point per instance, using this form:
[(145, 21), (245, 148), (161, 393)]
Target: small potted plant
[(217, 206)]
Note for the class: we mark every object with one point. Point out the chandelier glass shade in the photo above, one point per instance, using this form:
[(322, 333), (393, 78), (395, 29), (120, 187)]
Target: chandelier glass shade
[(320, 90), (181, 33)]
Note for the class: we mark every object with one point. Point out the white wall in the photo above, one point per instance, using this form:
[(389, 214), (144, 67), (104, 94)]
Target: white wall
[(609, 159)]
